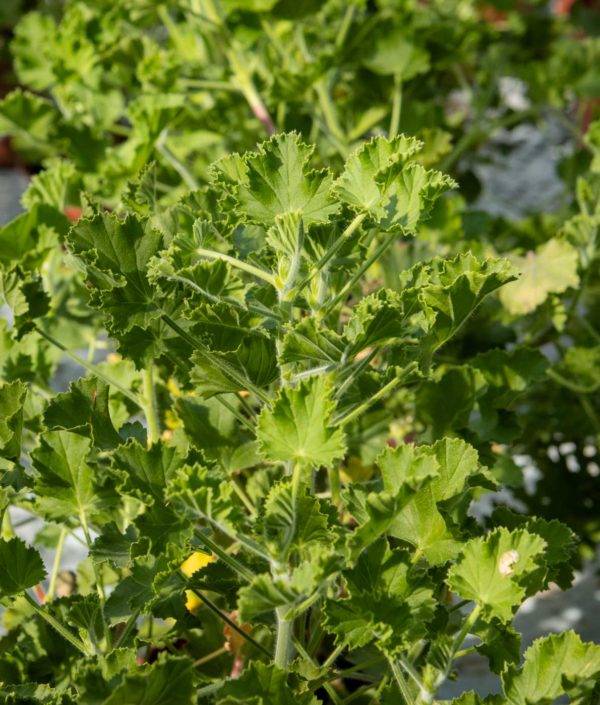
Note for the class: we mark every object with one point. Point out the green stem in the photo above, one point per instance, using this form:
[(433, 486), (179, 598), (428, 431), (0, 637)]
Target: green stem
[(346, 418), (465, 652), (335, 699), (349, 285), (238, 264), (187, 176), (127, 629), (91, 368), (7, 531), (401, 681), (284, 638), (468, 624), (358, 667), (238, 64), (333, 249), (232, 562), (330, 660), (56, 565), (334, 484), (55, 624), (356, 368), (344, 27), (396, 107), (330, 116), (227, 369), (211, 606), (202, 84), (244, 498), (563, 381), (150, 406), (242, 419)]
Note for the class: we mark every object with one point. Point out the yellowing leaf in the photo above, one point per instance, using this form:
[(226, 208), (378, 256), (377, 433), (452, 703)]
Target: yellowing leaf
[(551, 269)]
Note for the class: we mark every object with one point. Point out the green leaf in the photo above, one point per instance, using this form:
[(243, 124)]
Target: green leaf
[(198, 493), (27, 117), (278, 182), (64, 484), (393, 53), (310, 343), (298, 426), (421, 522), (12, 398), (286, 528), (561, 543), (251, 364), (500, 644), (24, 293), (169, 681), (581, 367), (551, 269), (261, 684), (472, 698), (50, 186), (30, 237), (265, 594), (136, 591), (387, 602), (84, 409), (180, 266), (380, 181), (146, 472), (451, 290), (116, 254), (495, 572), (554, 665), (21, 567)]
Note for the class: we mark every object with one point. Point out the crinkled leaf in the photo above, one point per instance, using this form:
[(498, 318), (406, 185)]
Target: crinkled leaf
[(146, 472), (261, 684), (12, 398), (278, 181), (169, 681), (380, 181), (116, 254), (298, 426), (24, 293), (554, 665), (201, 494), (84, 409), (387, 603)]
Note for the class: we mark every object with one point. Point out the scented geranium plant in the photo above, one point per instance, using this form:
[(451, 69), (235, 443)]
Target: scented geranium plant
[(263, 522)]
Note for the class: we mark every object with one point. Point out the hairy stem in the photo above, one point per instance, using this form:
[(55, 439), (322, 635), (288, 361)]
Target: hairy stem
[(91, 368), (64, 532), (150, 405), (55, 624), (236, 628), (401, 681), (396, 107), (232, 562), (238, 264)]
